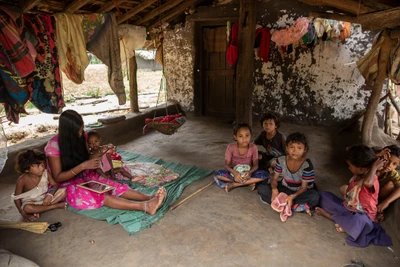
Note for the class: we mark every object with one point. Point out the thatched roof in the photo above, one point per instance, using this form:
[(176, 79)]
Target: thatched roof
[(371, 14)]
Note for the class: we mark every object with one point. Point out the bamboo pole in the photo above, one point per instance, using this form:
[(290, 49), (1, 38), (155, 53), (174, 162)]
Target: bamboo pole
[(190, 196)]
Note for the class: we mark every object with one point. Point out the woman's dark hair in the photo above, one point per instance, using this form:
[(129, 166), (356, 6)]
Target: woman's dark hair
[(270, 116), (297, 138), (394, 150), (26, 159), (93, 133), (360, 156), (73, 149), (239, 126)]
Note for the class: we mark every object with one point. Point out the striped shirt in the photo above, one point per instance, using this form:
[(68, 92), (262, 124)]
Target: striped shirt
[(293, 180)]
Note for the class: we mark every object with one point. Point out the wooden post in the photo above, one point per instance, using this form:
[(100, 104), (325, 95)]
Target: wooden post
[(245, 63), (368, 122), (133, 88)]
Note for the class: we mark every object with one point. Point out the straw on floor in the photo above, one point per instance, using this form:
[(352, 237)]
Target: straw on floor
[(134, 221)]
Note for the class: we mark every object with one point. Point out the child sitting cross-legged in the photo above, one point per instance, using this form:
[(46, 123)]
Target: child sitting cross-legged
[(293, 178), (241, 162), (36, 191), (356, 214)]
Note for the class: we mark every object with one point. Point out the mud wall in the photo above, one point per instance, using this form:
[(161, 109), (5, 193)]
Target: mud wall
[(319, 86)]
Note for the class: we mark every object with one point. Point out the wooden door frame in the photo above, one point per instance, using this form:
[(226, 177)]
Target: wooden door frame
[(198, 100)]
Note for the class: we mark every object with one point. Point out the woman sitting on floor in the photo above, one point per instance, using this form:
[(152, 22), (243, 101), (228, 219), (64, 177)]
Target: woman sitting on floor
[(69, 163)]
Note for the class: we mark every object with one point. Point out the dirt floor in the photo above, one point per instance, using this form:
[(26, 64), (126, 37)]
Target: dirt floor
[(214, 228)]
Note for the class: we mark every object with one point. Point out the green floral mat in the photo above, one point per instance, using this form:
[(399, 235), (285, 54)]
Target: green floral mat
[(134, 221)]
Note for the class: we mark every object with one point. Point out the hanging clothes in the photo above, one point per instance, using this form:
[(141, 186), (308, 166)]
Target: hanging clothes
[(368, 65), (233, 51), (291, 34), (344, 30), (71, 46), (44, 82), (394, 64), (101, 35), (264, 42), (17, 43)]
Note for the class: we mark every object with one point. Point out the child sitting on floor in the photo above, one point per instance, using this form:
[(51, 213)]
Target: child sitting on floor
[(389, 178), (111, 164), (356, 214), (272, 140), (241, 162), (36, 191), (294, 176)]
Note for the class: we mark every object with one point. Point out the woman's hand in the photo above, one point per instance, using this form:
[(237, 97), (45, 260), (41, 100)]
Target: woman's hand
[(47, 200), (91, 164), (245, 177), (289, 201)]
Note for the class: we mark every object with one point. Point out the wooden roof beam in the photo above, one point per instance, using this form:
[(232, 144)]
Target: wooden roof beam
[(389, 18), (158, 10), (179, 9), (346, 5), (75, 5), (135, 10), (109, 5), (28, 5), (376, 4)]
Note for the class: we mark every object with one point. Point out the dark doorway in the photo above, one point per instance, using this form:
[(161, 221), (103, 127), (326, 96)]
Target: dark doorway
[(214, 77)]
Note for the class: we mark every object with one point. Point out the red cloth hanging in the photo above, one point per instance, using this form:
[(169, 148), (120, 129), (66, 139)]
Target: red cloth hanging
[(264, 44), (233, 50)]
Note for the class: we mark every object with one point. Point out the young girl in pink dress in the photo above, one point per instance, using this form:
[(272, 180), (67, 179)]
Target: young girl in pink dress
[(69, 163)]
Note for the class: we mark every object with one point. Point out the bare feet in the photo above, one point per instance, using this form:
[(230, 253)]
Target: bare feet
[(338, 228), (159, 192), (152, 205), (309, 213), (229, 186), (252, 186), (61, 205), (322, 212)]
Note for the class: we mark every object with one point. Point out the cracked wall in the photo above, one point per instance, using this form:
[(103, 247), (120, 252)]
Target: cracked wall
[(313, 86)]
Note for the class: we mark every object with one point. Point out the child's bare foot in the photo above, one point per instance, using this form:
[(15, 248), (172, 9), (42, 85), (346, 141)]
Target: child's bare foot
[(152, 205), (309, 213), (228, 187), (159, 192), (321, 212), (339, 228), (252, 186)]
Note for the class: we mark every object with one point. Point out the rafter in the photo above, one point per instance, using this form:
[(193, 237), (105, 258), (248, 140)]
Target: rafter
[(179, 9), (389, 18), (109, 5), (75, 5), (376, 4), (167, 6), (135, 10), (353, 7), (28, 5)]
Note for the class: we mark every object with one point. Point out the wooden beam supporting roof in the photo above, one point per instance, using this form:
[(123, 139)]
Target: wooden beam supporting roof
[(109, 5), (245, 62), (389, 18), (376, 4), (135, 10), (155, 12), (169, 15), (75, 5), (28, 5), (324, 15), (353, 7)]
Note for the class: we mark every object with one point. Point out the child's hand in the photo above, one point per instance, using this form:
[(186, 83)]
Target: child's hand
[(246, 177), (47, 200), (379, 163), (275, 193), (385, 153), (237, 177), (289, 201), (381, 207)]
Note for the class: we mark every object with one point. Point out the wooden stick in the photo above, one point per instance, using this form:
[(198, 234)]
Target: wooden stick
[(191, 195)]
